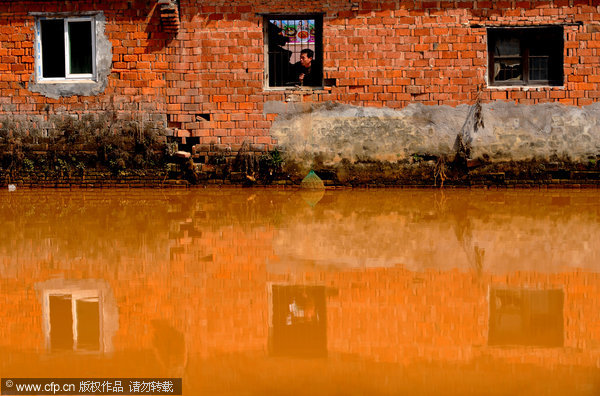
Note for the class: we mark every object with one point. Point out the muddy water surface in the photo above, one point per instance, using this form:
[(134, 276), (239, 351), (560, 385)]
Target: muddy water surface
[(264, 292)]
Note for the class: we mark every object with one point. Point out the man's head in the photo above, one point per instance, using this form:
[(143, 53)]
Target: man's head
[(306, 57)]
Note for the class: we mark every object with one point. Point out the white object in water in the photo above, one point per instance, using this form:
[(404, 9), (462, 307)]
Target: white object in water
[(12, 187)]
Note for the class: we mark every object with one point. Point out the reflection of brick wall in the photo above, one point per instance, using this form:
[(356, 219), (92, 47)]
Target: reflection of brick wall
[(398, 315), (217, 298), (219, 304), (20, 315), (208, 76)]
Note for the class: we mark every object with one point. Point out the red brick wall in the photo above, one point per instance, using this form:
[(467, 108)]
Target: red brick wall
[(389, 53), (137, 80), (380, 53)]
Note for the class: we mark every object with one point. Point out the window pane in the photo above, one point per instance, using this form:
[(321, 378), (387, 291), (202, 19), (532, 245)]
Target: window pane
[(61, 322), (88, 324), (508, 47), (546, 55), (53, 48), (507, 69), (538, 68), (80, 45)]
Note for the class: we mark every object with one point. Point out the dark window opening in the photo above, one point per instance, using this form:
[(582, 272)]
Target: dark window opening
[(526, 56), (526, 317), (80, 42), (295, 50), (53, 48), (299, 322)]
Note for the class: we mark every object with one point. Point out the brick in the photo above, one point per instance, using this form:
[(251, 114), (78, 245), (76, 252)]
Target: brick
[(382, 54)]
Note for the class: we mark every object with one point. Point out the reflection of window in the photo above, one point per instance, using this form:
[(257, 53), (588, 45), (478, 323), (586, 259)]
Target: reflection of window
[(66, 48), (287, 38), (74, 320), (526, 317), (298, 321), (526, 56)]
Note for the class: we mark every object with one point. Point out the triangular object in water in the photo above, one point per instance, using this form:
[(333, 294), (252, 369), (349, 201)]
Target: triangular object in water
[(312, 182)]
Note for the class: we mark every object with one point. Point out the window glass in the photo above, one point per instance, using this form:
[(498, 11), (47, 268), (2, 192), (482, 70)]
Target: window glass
[(508, 47), (538, 68), (80, 45), (53, 48)]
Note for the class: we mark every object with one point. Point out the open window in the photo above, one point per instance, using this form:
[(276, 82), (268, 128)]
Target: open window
[(526, 55), (66, 49), (526, 317), (293, 50), (74, 320)]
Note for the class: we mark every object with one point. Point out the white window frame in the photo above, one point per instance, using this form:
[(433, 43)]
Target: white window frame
[(68, 75), (76, 295)]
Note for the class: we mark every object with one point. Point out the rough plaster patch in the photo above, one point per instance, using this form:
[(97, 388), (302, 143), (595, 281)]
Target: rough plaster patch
[(84, 88), (511, 132)]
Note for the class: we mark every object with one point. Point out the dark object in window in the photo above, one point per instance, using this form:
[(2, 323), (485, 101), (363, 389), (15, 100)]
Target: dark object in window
[(526, 56), (299, 323), (295, 50), (526, 317)]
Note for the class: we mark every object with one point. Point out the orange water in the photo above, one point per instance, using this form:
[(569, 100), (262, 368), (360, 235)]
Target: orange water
[(287, 292)]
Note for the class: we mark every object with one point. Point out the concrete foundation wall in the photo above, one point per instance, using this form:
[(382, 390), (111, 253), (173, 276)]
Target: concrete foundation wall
[(510, 132)]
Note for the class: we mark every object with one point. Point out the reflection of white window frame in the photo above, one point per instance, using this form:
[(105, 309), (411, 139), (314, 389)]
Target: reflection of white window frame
[(76, 295), (69, 77)]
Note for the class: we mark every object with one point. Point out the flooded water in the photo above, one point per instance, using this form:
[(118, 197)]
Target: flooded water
[(260, 292)]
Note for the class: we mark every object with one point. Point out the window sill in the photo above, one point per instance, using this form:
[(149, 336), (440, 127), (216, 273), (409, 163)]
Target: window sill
[(525, 87), (297, 90), (74, 81)]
